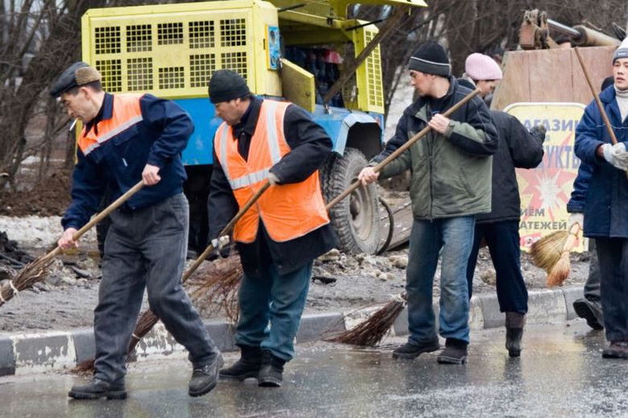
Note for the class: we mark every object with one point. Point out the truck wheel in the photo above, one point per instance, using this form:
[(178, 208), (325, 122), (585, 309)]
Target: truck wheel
[(356, 218)]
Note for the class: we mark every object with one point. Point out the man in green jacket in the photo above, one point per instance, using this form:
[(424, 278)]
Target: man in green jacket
[(451, 183)]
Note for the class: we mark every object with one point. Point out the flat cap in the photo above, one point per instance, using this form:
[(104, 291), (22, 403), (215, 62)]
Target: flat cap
[(78, 74)]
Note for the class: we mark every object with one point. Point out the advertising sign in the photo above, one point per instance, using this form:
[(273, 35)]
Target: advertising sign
[(546, 189)]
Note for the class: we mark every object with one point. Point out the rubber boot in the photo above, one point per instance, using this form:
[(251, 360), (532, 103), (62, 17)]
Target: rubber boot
[(514, 332)]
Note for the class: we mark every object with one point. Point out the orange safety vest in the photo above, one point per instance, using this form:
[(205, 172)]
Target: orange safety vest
[(288, 211), (126, 113)]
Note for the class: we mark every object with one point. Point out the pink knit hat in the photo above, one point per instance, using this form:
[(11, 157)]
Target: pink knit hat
[(482, 67)]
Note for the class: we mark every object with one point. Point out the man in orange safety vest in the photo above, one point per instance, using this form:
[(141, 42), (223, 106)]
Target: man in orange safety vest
[(278, 238)]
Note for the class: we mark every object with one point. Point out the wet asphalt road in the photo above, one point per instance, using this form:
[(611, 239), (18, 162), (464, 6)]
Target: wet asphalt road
[(561, 373)]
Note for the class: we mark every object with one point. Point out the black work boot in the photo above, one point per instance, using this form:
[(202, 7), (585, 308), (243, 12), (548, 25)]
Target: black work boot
[(204, 378), (616, 349), (270, 374), (248, 365), (455, 352), (591, 311), (411, 351), (514, 332), (98, 389)]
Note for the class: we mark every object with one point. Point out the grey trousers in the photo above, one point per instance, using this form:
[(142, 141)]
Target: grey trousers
[(145, 249)]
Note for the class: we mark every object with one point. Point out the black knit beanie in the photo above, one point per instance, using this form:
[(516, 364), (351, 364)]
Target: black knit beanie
[(227, 85), (430, 58)]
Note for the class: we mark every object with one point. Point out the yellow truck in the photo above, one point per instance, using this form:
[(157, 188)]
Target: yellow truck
[(302, 51)]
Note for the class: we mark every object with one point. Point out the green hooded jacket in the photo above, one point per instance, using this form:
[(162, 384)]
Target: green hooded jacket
[(451, 172)]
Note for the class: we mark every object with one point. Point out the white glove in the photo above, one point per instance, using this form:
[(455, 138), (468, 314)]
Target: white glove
[(616, 155), (219, 243), (575, 218), (273, 179)]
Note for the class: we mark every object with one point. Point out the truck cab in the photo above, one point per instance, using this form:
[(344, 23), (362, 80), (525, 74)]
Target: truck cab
[(285, 51)]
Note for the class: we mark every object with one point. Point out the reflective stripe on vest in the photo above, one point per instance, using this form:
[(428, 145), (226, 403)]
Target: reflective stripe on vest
[(273, 146), (288, 211), (126, 113)]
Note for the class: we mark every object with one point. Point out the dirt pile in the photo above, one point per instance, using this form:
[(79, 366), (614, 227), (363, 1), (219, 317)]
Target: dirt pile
[(10, 253), (11, 257), (49, 197)]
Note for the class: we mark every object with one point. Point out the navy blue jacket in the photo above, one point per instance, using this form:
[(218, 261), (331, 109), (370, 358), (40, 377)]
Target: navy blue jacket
[(580, 188), (517, 148), (158, 139), (606, 201)]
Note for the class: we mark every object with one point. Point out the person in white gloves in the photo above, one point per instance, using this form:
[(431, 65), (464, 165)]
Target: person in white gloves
[(606, 201), (588, 307)]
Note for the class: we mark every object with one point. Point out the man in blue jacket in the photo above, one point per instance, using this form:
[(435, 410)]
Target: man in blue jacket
[(126, 139), (606, 203), (588, 307)]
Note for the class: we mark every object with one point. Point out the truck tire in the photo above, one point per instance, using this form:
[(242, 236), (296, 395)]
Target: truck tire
[(356, 218)]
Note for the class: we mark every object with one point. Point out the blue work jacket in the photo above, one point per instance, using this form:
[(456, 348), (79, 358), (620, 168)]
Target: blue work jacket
[(157, 137), (606, 201)]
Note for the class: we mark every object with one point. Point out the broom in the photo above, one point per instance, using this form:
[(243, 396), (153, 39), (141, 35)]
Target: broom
[(148, 319), (217, 287), (546, 252), (371, 331), (37, 270), (560, 272)]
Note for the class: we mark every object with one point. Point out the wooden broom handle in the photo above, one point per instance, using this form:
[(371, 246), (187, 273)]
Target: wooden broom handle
[(107, 211), (597, 97), (199, 260), (401, 149), (600, 107), (99, 217)]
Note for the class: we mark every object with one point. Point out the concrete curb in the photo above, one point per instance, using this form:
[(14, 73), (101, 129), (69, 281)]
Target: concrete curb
[(38, 352)]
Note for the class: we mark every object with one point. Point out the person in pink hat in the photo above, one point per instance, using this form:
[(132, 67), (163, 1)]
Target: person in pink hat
[(484, 73), (517, 148)]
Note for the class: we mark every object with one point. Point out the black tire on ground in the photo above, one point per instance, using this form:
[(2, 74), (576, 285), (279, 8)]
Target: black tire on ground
[(356, 218)]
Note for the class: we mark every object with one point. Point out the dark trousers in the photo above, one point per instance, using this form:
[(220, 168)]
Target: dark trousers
[(592, 285), (613, 257), (146, 249), (503, 244)]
